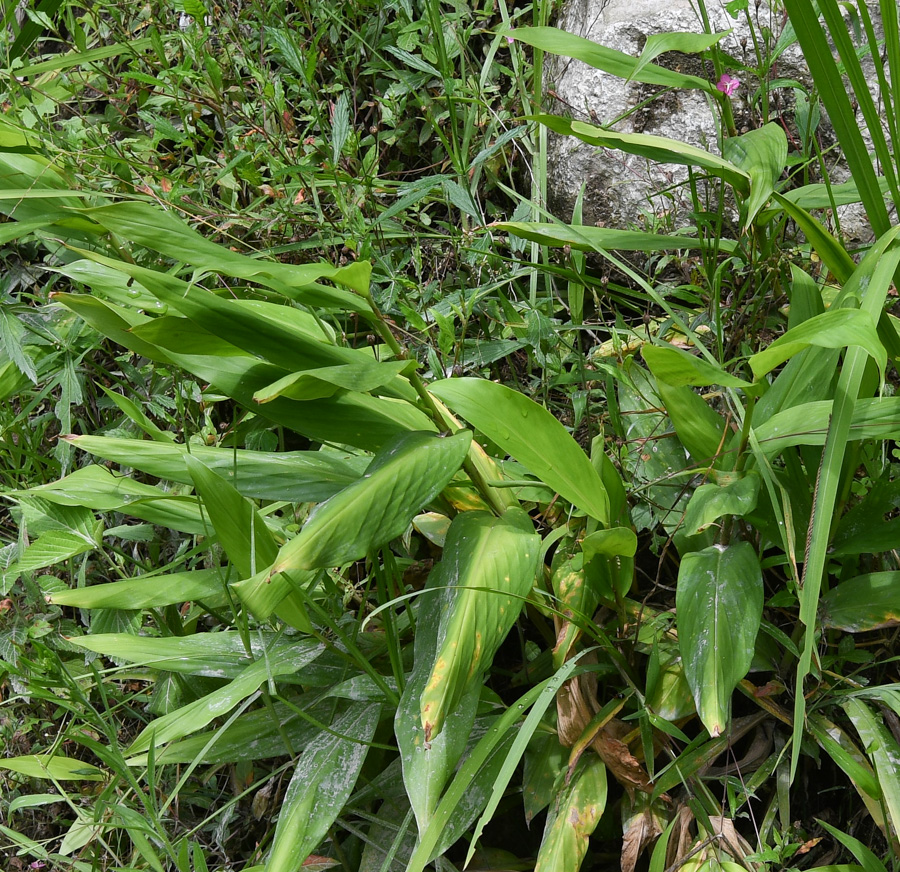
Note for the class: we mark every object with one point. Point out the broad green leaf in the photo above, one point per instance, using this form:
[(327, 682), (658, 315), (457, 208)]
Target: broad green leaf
[(712, 501), (615, 542), (835, 328), (719, 603), (248, 328), (312, 384), (530, 434), (162, 231), (677, 367), (295, 476), (404, 477), (871, 526), (655, 148), (255, 735), (545, 760), (322, 782), (240, 529), (214, 655), (616, 63), (426, 769), (243, 533), (686, 43), (285, 660), (807, 424), (52, 766), (52, 548), (146, 592), (761, 153), (97, 488), (587, 238), (698, 427), (573, 818), (488, 568), (867, 602), (883, 751), (348, 418), (540, 697)]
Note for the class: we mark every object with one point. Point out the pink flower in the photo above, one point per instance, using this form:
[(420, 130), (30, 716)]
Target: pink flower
[(510, 40), (727, 84)]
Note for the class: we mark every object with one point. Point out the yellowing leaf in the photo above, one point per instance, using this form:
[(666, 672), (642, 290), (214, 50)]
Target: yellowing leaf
[(488, 567)]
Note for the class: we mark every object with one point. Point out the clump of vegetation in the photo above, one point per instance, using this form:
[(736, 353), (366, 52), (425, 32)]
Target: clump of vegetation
[(358, 520)]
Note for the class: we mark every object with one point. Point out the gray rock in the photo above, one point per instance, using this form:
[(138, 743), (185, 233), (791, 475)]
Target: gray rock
[(625, 190)]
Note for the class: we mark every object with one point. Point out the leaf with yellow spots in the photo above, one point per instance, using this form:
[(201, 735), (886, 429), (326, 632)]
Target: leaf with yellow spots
[(488, 568), (575, 816)]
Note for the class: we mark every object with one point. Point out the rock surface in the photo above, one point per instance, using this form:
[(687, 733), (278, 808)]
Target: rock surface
[(624, 190)]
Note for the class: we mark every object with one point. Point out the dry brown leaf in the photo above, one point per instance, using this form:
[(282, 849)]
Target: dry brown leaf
[(576, 704), (680, 840), (623, 765), (640, 828)]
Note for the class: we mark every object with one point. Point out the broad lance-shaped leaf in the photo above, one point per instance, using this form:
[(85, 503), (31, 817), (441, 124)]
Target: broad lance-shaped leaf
[(295, 476), (835, 328), (488, 568), (323, 780), (142, 592), (530, 434), (406, 475), (247, 541), (655, 148), (426, 770), (719, 604), (162, 231), (616, 63), (573, 818), (761, 153)]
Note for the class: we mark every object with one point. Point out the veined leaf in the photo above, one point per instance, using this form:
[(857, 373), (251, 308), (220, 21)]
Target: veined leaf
[(712, 501), (616, 63), (51, 548), (284, 660), (883, 751), (807, 424), (162, 231), (53, 766), (867, 602), (243, 533), (835, 328), (719, 603), (323, 780), (761, 153), (295, 476), (312, 384), (146, 592), (97, 488), (655, 148), (529, 433), (677, 367), (405, 476), (573, 818), (686, 43), (426, 770), (488, 568)]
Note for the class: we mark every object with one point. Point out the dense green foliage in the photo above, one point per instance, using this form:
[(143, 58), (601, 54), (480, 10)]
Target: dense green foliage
[(365, 515)]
